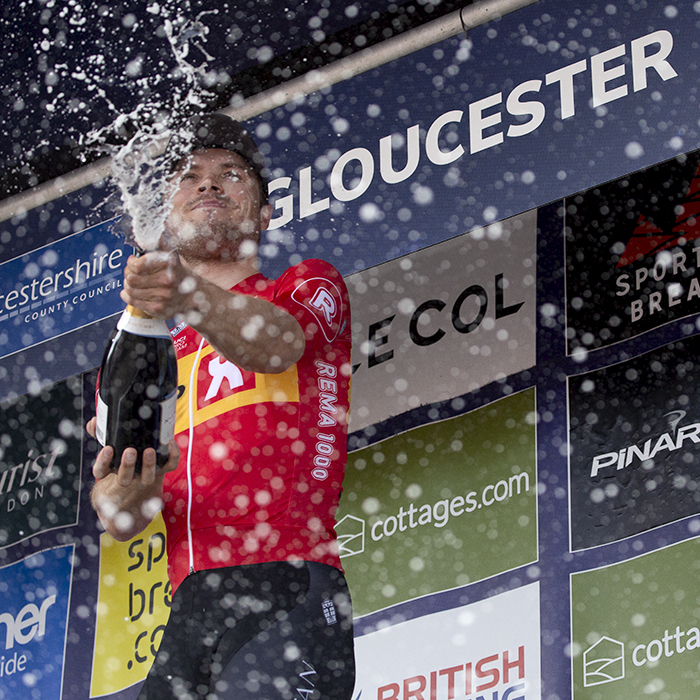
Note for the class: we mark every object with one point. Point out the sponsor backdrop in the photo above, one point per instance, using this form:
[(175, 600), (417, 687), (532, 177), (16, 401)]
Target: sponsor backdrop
[(643, 637), (515, 213), (636, 453), (35, 593), (441, 505), (134, 603), (467, 651)]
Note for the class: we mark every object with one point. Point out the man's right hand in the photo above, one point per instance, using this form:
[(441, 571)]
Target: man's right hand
[(158, 284)]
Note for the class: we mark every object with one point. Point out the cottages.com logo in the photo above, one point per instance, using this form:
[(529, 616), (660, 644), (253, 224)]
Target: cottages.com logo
[(604, 661), (351, 529)]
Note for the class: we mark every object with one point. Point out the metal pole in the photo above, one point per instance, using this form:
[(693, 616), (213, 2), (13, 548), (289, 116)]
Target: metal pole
[(360, 62)]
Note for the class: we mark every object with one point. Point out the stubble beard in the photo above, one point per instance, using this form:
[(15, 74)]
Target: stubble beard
[(212, 240)]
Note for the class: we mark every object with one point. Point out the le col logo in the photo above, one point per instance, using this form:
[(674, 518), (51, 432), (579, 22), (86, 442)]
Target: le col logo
[(30, 622)]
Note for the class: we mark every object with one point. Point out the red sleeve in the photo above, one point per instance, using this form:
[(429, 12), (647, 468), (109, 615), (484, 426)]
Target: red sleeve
[(314, 293)]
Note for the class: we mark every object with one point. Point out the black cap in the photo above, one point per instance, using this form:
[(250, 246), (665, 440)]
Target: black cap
[(216, 130)]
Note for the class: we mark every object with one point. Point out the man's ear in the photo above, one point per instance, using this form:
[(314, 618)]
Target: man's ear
[(265, 216)]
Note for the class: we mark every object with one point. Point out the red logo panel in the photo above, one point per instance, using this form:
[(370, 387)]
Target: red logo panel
[(322, 298), (218, 378)]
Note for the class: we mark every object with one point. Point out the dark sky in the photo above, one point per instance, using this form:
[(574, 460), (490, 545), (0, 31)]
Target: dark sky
[(70, 66)]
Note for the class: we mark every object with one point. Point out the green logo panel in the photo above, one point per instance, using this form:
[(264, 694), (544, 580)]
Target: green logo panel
[(636, 627), (441, 506)]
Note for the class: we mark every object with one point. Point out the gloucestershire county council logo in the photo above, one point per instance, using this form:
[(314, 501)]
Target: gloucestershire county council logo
[(604, 662), (351, 536)]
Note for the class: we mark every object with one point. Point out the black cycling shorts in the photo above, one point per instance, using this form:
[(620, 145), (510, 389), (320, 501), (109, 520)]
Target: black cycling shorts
[(277, 630)]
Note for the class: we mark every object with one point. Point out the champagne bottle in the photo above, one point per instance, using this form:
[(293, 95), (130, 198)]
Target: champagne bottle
[(137, 388)]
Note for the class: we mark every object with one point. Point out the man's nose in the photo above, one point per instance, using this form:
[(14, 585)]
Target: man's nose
[(209, 183)]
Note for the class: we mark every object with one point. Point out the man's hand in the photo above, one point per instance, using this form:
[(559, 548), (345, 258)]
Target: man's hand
[(158, 284), (126, 502), (253, 333)]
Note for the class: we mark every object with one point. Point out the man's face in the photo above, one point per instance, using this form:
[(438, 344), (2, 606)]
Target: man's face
[(216, 212)]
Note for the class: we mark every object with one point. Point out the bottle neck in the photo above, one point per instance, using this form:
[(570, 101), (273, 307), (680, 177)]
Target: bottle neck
[(136, 321), (136, 313)]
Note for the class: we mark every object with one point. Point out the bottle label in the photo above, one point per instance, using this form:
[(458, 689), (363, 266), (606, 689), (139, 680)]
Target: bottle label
[(149, 327), (101, 415), (167, 419)]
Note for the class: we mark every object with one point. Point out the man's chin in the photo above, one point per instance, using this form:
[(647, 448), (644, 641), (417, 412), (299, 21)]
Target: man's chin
[(209, 239), (213, 249)]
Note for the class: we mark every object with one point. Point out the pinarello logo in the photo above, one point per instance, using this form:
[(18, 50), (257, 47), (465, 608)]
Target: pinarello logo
[(648, 239), (322, 298)]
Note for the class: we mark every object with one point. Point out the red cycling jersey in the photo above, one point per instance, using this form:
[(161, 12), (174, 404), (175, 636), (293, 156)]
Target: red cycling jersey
[(262, 455)]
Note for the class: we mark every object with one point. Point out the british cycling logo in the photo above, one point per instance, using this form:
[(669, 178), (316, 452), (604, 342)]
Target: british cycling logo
[(604, 662)]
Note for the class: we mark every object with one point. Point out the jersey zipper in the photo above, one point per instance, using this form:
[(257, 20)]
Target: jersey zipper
[(190, 415)]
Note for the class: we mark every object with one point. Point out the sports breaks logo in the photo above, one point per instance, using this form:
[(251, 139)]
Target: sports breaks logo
[(633, 248), (648, 239), (674, 265)]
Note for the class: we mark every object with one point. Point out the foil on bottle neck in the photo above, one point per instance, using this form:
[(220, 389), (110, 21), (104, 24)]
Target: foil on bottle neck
[(137, 313)]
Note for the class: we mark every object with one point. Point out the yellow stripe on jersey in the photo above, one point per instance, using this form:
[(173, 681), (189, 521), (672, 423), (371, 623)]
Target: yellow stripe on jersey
[(279, 388)]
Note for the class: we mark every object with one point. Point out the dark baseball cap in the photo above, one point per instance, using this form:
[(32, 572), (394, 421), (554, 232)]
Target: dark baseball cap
[(217, 130)]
